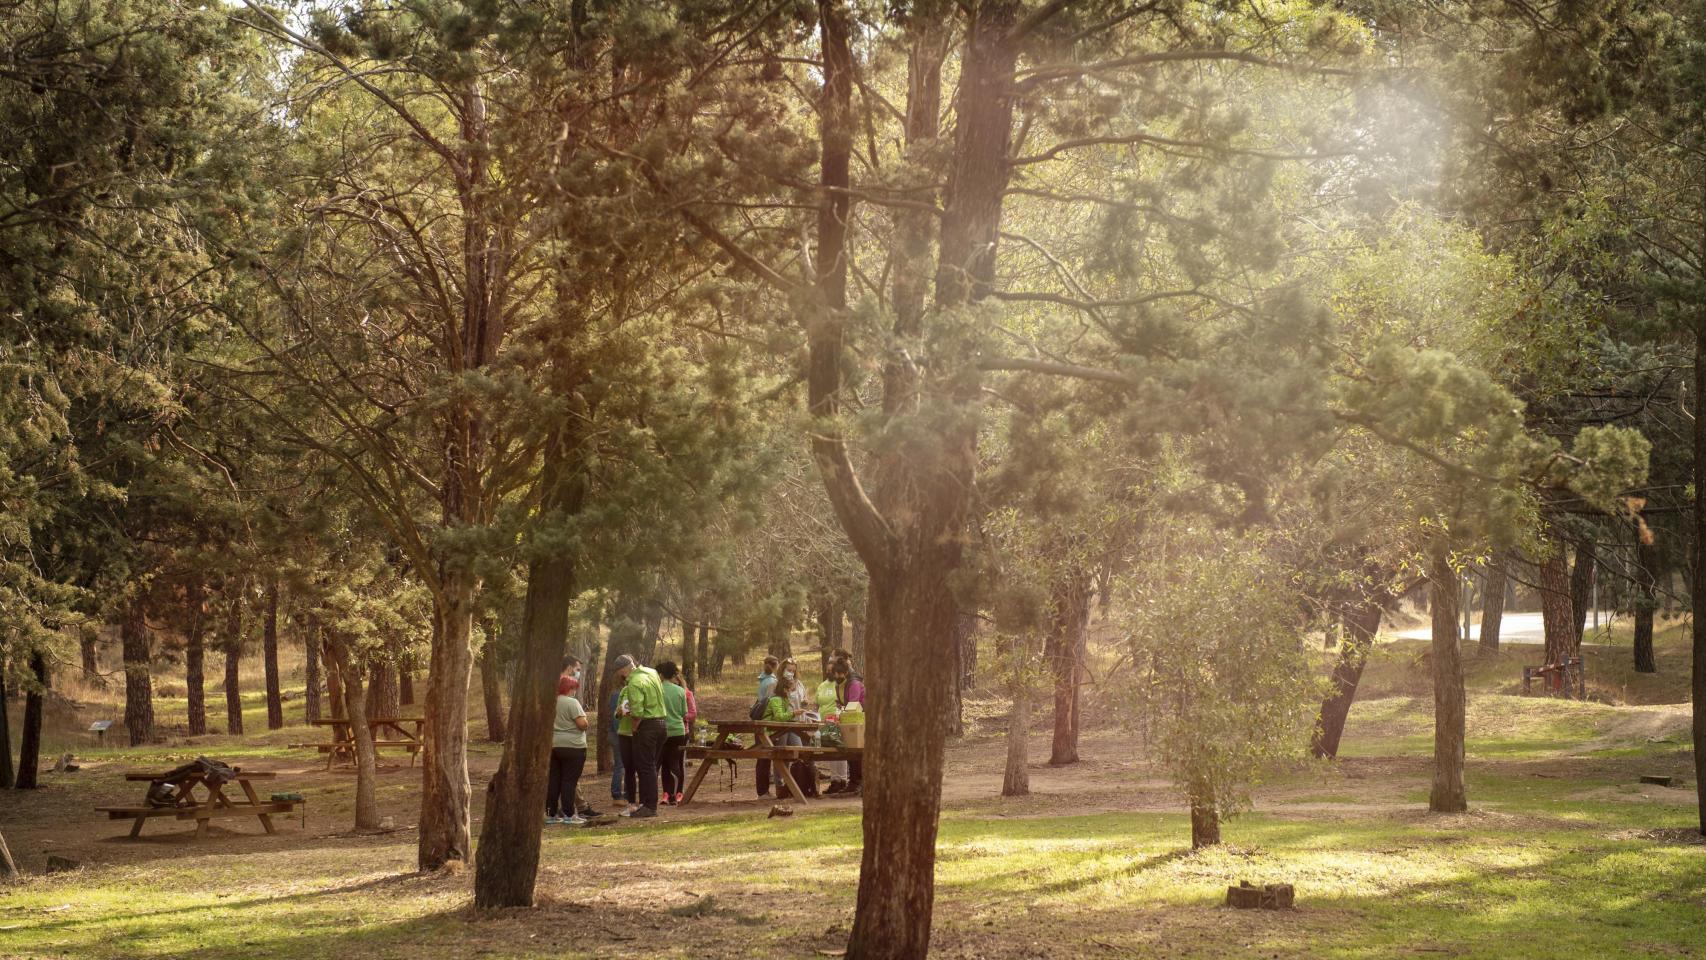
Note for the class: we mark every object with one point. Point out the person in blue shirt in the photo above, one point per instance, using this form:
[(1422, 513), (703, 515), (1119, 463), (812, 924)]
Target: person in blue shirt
[(616, 770)]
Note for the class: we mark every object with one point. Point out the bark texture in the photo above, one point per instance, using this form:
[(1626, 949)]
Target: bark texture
[(233, 648), (8, 777), (312, 705), (507, 859), (1646, 603), (492, 697), (269, 658), (343, 665), (1447, 795), (1493, 603), (138, 684), (195, 657), (1581, 594), (29, 747), (1556, 610), (1205, 819), (1016, 779), (1697, 588), (1068, 651)]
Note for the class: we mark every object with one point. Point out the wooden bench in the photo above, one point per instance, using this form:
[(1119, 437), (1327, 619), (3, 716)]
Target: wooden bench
[(215, 806), (389, 733), (724, 746), (1567, 677)]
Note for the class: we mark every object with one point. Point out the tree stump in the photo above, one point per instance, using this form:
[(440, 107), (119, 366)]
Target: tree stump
[(1273, 896)]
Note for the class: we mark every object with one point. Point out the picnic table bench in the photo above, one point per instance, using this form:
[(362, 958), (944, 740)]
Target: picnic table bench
[(725, 746), (402, 733), (216, 805), (1569, 676)]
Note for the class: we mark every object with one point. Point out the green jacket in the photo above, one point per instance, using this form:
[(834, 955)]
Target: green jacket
[(779, 710), (675, 710), (644, 693)]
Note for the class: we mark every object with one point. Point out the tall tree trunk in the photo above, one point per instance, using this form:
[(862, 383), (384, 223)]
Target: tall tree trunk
[(138, 685), (341, 665), (1447, 795), (1646, 602), (1557, 613), (405, 680), (1581, 594), (491, 693), (334, 678), (1205, 817), (8, 778), (29, 748), (689, 669), (825, 638), (1068, 649), (195, 657), (705, 648), (856, 646), (1493, 602), (445, 789), (1697, 588), (311, 703), (87, 641), (269, 658), (1016, 779), (233, 647), (1362, 622), (507, 862), (382, 700)]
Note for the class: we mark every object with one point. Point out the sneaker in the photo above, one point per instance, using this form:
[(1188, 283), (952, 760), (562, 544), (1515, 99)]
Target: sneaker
[(669, 800), (631, 811), (835, 786), (551, 819), (586, 813), (575, 821), (643, 813), (680, 799)]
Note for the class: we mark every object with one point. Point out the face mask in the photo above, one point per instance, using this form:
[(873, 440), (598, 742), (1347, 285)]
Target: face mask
[(789, 674)]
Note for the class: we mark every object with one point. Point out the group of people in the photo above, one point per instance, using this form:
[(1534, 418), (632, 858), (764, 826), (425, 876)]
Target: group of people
[(652, 712), (782, 697)]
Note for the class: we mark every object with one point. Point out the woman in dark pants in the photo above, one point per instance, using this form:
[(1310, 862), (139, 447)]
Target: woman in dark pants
[(568, 755), (673, 764)]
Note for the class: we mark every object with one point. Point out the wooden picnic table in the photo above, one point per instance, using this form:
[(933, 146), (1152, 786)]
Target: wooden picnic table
[(388, 732), (724, 746), (214, 804)]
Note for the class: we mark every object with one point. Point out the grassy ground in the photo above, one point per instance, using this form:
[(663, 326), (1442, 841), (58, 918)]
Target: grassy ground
[(1564, 854)]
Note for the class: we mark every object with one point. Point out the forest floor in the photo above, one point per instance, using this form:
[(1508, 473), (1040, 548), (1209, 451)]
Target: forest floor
[(1563, 854)]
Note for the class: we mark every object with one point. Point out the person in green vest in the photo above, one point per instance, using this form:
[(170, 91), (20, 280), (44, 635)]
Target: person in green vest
[(827, 706), (674, 759), (642, 703), (782, 709)]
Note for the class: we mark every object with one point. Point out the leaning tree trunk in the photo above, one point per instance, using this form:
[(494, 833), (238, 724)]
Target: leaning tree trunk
[(8, 778), (195, 658), (269, 658), (1493, 603), (507, 863), (138, 685), (342, 665), (492, 696), (29, 748), (8, 866), (1447, 795), (1557, 613), (1362, 622), (1068, 648), (1581, 594), (1205, 817)]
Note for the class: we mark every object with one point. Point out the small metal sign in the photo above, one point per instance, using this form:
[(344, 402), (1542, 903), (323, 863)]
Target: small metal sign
[(100, 726)]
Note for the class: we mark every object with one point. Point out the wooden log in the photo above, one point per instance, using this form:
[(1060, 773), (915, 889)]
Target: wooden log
[(1244, 896)]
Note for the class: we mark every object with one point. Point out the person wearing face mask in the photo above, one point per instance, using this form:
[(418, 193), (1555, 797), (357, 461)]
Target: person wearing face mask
[(790, 670), (572, 672)]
